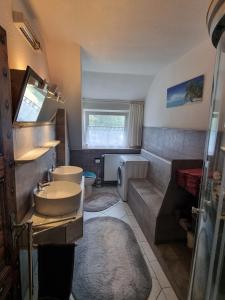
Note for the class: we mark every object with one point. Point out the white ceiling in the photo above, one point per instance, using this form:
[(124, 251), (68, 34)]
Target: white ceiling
[(125, 36), (137, 37), (96, 85)]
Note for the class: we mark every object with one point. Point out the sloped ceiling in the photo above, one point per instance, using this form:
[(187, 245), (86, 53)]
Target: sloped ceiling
[(96, 85), (125, 36), (129, 37)]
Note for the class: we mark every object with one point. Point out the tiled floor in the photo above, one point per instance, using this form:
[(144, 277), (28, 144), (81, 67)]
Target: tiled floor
[(161, 288)]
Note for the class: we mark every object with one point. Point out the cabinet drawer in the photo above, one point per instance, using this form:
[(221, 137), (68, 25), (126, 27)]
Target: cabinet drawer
[(1, 166)]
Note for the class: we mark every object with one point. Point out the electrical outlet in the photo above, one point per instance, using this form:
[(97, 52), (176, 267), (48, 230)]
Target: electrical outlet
[(97, 161)]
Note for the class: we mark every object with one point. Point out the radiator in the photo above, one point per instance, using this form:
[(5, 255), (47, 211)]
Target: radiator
[(111, 164)]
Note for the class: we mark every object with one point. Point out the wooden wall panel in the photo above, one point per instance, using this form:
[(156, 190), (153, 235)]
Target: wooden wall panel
[(8, 254)]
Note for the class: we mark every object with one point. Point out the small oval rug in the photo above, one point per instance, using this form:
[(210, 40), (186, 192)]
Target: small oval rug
[(100, 201), (109, 264)]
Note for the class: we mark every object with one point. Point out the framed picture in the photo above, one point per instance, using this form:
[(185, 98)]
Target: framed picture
[(187, 92)]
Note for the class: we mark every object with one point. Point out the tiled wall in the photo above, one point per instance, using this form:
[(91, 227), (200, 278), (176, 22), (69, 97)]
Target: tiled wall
[(159, 172), (173, 143), (86, 158), (169, 143), (28, 174)]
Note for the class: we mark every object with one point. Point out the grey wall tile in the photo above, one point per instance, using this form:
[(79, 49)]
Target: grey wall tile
[(174, 143)]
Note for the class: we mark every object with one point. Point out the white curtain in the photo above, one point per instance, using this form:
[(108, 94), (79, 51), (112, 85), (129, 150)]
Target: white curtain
[(135, 124), (103, 137)]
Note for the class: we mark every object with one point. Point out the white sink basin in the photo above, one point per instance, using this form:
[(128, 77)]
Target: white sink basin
[(67, 173), (58, 198)]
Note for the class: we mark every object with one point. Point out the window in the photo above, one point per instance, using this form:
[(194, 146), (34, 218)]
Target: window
[(105, 129)]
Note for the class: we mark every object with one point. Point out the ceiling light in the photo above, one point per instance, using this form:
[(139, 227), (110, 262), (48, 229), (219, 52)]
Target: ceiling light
[(25, 28)]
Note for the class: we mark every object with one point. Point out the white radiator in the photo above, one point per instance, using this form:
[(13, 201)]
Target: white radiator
[(111, 164)]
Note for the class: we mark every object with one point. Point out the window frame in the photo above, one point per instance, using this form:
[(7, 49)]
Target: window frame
[(89, 111)]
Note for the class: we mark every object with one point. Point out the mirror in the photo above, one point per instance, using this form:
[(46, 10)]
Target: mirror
[(33, 101)]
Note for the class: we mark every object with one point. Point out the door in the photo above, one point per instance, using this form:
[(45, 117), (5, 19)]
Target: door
[(208, 271)]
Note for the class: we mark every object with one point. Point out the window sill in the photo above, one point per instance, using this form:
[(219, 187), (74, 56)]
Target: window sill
[(111, 148)]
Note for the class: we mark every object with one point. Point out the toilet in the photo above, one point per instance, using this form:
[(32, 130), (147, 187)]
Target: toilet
[(90, 178)]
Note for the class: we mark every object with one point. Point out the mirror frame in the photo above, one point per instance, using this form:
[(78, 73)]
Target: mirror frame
[(28, 73)]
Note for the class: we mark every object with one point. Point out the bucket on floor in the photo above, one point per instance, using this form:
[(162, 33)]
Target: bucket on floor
[(90, 178)]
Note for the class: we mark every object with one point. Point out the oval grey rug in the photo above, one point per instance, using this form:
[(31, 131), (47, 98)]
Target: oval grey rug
[(109, 264), (100, 201)]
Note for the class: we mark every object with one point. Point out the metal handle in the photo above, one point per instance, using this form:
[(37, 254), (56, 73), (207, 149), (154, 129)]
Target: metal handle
[(197, 211), (119, 176)]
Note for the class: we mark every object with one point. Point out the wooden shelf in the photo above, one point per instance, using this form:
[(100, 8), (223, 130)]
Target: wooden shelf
[(36, 153), (31, 155), (51, 144)]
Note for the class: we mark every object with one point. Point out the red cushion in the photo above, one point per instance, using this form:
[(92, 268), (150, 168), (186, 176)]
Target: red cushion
[(190, 179)]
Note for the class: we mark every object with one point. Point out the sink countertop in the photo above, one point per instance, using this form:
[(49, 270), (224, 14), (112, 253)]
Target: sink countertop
[(69, 230)]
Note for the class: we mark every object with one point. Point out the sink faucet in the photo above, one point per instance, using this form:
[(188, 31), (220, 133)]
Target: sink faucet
[(49, 173), (41, 185)]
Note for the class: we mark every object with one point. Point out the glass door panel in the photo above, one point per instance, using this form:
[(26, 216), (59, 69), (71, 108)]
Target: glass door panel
[(208, 271)]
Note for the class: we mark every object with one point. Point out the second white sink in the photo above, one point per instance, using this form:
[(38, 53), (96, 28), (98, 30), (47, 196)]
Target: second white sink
[(67, 173), (58, 198)]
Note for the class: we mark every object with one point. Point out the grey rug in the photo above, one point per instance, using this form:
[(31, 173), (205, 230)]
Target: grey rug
[(109, 264), (100, 201)]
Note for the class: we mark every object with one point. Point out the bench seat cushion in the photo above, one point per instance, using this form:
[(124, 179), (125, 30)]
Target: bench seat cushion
[(149, 194)]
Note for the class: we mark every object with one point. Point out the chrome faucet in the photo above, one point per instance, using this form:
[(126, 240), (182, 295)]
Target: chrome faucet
[(49, 173), (41, 185)]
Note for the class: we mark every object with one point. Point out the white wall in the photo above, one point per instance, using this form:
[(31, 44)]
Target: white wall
[(65, 71), (20, 53), (62, 64), (115, 86), (105, 104), (199, 60)]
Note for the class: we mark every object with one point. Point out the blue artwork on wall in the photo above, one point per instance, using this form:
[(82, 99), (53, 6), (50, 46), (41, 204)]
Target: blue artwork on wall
[(190, 91)]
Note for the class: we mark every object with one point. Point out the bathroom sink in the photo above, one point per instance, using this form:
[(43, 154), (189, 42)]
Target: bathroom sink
[(58, 198), (67, 173)]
